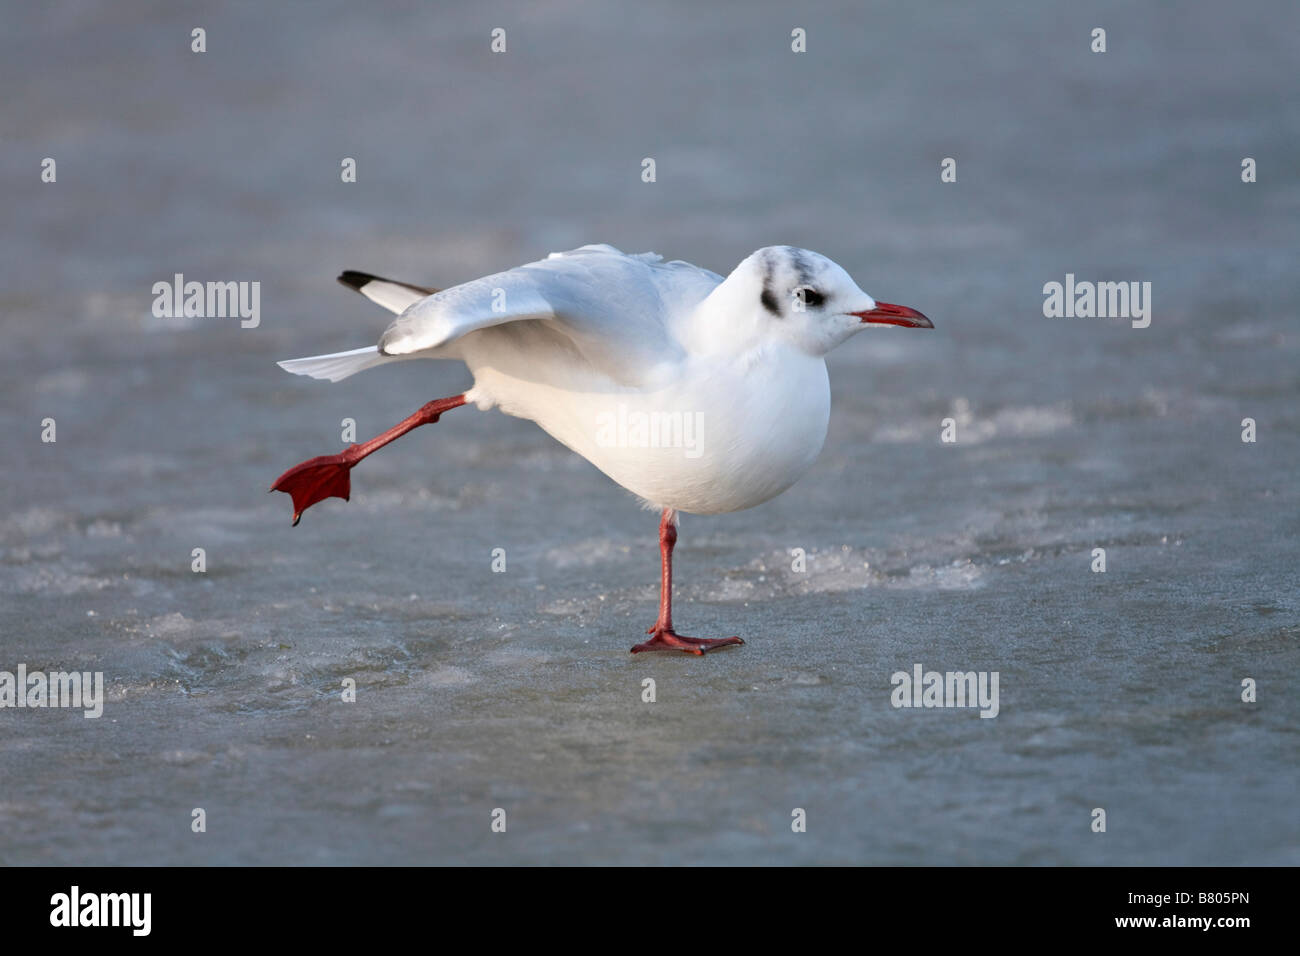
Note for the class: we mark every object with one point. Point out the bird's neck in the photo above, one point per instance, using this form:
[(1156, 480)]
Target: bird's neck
[(726, 321)]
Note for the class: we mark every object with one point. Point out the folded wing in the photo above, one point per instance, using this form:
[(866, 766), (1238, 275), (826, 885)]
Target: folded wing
[(620, 312), (617, 310)]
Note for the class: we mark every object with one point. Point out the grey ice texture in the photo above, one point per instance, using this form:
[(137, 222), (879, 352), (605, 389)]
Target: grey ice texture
[(479, 690)]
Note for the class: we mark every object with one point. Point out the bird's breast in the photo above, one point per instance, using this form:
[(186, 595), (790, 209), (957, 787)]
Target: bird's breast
[(717, 435)]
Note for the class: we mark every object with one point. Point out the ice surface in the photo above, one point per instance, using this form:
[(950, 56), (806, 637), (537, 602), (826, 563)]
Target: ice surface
[(479, 690)]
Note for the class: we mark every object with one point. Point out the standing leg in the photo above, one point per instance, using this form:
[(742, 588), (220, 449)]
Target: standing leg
[(326, 476), (662, 634)]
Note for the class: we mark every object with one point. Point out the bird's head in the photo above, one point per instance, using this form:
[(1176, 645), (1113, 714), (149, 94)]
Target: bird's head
[(810, 301)]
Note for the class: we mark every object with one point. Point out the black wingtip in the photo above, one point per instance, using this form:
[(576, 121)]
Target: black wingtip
[(355, 280)]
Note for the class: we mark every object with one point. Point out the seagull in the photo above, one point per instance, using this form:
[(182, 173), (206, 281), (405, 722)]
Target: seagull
[(696, 393)]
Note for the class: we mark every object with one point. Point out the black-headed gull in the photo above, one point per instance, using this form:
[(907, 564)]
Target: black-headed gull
[(694, 392)]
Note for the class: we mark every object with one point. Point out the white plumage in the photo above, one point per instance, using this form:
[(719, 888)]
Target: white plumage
[(695, 393)]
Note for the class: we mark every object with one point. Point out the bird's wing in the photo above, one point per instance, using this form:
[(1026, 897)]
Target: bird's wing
[(619, 311), (392, 295)]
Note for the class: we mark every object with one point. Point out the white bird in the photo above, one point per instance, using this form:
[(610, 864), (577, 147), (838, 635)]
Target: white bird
[(695, 393)]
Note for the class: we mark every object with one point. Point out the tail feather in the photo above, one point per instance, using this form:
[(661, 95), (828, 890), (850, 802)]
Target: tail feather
[(392, 295), (339, 365)]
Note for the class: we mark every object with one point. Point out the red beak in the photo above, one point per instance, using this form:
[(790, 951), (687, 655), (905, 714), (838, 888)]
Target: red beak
[(886, 313)]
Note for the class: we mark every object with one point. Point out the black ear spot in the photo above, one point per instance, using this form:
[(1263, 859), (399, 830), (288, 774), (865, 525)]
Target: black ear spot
[(769, 302)]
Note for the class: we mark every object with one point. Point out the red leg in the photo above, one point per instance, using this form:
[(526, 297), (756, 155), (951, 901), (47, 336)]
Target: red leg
[(663, 637), (326, 476)]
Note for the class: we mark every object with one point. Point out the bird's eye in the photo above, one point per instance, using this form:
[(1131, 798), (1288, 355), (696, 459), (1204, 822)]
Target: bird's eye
[(810, 296)]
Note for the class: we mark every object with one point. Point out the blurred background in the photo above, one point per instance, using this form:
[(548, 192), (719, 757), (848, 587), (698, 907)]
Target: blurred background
[(479, 690)]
